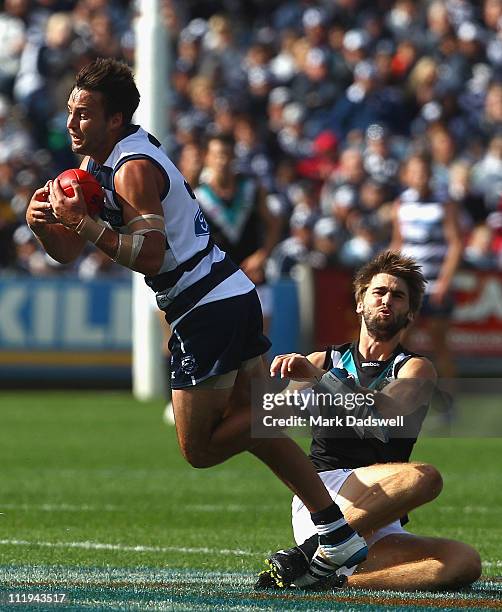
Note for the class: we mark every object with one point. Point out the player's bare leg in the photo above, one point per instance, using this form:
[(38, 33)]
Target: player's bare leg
[(215, 424), (377, 495), (370, 498), (406, 562)]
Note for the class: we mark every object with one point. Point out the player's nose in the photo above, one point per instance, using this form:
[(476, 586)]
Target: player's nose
[(70, 121)]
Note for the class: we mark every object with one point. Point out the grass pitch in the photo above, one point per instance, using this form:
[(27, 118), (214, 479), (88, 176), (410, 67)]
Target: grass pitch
[(96, 502)]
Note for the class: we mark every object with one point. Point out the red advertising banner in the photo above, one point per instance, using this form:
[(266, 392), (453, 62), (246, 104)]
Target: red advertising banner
[(476, 324)]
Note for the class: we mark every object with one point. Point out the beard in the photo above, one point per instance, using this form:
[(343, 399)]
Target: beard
[(383, 330)]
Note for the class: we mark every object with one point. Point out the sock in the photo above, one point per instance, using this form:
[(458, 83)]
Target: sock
[(331, 526)]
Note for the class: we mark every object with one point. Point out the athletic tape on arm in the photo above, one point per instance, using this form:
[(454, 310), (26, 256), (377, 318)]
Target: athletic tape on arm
[(128, 249), (142, 224), (90, 229)]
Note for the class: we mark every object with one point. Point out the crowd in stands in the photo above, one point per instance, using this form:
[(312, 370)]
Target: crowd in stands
[(325, 100)]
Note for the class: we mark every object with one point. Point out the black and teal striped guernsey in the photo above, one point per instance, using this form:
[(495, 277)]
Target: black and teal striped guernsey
[(347, 450)]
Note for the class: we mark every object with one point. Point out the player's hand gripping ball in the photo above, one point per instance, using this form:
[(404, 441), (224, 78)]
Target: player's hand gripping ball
[(92, 190)]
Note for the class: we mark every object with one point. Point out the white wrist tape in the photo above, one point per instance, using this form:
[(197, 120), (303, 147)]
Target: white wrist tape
[(128, 249), (90, 229)]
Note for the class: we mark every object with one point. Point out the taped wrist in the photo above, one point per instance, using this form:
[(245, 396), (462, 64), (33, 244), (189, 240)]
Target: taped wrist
[(90, 229), (128, 249)]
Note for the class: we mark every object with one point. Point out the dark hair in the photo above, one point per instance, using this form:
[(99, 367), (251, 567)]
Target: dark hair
[(115, 81), (395, 264), (221, 137), (420, 155)]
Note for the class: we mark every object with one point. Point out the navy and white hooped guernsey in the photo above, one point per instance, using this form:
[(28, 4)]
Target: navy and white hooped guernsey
[(194, 271), (421, 227)]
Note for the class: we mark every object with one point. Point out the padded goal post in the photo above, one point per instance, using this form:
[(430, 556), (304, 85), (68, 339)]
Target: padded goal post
[(149, 378)]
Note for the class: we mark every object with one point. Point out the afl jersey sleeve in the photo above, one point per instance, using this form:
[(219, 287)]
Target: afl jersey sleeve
[(194, 269)]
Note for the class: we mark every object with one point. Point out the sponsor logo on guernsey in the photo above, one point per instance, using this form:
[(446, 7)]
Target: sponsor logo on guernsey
[(188, 364), (200, 224), (370, 364)]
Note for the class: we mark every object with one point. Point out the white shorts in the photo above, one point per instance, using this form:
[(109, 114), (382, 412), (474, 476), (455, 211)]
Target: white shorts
[(304, 528)]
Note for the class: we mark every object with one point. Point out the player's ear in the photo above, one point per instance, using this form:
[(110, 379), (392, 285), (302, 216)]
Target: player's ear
[(116, 120), (359, 307)]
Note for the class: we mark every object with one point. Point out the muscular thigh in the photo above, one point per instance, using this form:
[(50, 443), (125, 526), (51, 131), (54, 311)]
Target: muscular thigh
[(200, 410), (382, 475), (397, 549), (197, 413), (250, 373)]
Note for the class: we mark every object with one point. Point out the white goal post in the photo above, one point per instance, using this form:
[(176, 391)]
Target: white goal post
[(151, 73)]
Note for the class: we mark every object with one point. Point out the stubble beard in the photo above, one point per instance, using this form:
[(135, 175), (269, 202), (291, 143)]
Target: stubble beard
[(384, 330)]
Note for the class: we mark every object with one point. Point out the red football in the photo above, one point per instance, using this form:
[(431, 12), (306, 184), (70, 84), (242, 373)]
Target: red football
[(93, 193)]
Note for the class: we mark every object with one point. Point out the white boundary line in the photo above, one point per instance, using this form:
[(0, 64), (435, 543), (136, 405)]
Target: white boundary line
[(124, 547), (63, 507), (60, 507)]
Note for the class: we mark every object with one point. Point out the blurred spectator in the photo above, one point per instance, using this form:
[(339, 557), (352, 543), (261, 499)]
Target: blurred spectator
[(378, 159), (324, 159), (235, 207), (324, 100), (96, 265), (365, 102), (317, 92), (190, 162), (296, 249), (251, 156), (15, 139), (29, 258), (443, 152), (427, 228), (487, 174), (13, 37)]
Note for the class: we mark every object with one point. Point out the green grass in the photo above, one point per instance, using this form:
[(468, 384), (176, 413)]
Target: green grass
[(96, 481)]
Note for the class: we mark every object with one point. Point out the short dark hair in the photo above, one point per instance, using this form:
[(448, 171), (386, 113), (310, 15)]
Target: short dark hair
[(221, 137), (115, 81), (395, 264)]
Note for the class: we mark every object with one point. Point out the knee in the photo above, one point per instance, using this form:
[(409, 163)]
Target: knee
[(470, 569), (463, 566), (429, 481), (196, 458)]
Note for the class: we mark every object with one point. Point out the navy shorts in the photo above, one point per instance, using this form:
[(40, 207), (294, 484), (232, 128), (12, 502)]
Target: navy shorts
[(215, 338)]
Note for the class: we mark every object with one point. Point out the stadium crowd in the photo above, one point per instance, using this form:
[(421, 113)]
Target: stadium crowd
[(324, 100)]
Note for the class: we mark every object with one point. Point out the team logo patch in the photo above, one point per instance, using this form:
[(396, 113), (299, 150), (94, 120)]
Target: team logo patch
[(201, 225), (188, 364)]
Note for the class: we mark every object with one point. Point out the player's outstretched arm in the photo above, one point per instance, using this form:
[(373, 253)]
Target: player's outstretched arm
[(412, 388), (61, 243), (297, 367)]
